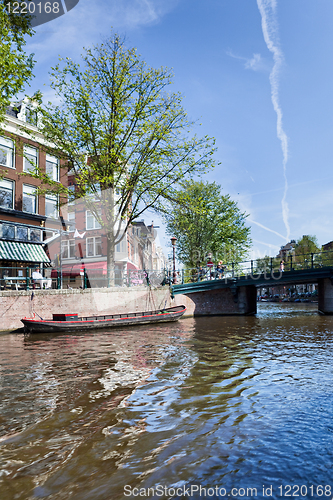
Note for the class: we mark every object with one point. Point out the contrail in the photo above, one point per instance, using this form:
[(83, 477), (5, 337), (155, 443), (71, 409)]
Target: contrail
[(267, 229), (266, 244), (269, 25)]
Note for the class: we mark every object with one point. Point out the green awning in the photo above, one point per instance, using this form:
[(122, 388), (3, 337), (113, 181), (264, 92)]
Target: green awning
[(23, 252)]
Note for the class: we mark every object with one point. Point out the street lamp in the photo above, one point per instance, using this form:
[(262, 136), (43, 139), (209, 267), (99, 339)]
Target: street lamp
[(173, 242)]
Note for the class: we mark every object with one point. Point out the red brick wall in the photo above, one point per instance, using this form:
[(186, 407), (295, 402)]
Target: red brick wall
[(15, 174)]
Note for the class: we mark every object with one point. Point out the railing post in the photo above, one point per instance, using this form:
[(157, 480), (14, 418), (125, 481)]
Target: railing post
[(312, 261), (291, 262), (271, 265), (58, 280), (183, 276), (251, 267), (27, 279), (233, 269), (84, 279)]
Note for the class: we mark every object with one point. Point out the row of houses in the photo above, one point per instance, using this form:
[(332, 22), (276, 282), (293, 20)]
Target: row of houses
[(47, 230)]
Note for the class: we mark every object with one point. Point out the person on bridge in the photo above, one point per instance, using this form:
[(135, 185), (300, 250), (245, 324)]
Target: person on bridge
[(223, 268), (219, 272), (282, 266), (201, 273)]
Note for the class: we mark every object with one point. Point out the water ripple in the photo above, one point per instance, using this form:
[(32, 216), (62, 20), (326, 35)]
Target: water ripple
[(224, 401)]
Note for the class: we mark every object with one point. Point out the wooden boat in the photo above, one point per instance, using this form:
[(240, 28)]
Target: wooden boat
[(72, 323)]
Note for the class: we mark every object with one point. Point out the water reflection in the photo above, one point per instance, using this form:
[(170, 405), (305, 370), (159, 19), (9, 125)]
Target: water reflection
[(223, 401)]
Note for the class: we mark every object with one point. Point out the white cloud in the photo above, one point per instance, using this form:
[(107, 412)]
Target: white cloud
[(261, 249), (255, 63), (89, 21), (269, 245)]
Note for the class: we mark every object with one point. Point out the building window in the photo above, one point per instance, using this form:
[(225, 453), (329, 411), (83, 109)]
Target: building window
[(51, 205), (30, 161), (6, 194), (19, 232), (94, 246), (31, 116), (29, 203), (35, 234), (22, 233), (71, 194), (91, 222), (95, 191), (68, 249), (8, 231), (13, 111), (6, 152), (71, 220), (121, 247), (52, 167)]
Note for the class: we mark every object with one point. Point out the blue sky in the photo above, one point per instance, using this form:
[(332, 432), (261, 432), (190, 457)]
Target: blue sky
[(257, 74)]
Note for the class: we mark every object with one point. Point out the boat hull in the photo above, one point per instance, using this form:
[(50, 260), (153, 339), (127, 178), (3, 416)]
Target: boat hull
[(33, 325)]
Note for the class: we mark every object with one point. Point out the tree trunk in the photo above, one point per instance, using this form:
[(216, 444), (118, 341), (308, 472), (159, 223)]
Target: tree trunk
[(110, 259), (107, 210)]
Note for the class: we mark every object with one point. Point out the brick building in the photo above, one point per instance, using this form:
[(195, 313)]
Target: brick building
[(45, 231), (84, 246), (26, 217)]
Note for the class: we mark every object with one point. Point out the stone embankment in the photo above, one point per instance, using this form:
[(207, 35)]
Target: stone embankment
[(93, 301), (19, 304)]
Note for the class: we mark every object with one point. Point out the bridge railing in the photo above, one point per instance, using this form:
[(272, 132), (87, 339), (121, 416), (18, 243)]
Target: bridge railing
[(21, 278), (295, 261)]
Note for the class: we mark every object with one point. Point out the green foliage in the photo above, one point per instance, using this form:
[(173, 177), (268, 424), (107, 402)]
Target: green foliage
[(117, 112), (204, 222), (266, 264), (325, 259), (305, 246), (16, 65), (261, 265)]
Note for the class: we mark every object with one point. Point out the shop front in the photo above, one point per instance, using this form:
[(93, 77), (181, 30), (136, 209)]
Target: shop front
[(17, 262)]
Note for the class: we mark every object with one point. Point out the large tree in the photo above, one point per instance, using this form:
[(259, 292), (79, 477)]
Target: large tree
[(16, 65), (304, 247), (307, 244), (206, 222), (124, 136)]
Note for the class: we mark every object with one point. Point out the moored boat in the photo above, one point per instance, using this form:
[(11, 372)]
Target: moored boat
[(72, 323)]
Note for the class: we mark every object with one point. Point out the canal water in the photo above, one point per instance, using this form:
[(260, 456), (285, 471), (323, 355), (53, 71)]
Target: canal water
[(237, 407)]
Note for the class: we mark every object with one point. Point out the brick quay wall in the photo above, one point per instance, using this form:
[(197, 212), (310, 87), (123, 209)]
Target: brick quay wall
[(15, 305)]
